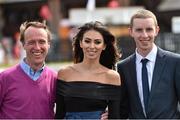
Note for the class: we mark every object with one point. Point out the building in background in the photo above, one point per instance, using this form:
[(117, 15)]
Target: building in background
[(114, 13)]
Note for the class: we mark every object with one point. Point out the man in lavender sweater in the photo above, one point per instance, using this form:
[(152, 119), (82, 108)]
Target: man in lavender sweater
[(27, 90)]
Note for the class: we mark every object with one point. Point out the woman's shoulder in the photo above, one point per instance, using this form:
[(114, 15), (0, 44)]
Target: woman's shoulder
[(113, 77), (64, 72)]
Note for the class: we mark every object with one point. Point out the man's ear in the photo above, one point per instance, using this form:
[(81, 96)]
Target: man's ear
[(130, 31), (49, 44), (157, 30)]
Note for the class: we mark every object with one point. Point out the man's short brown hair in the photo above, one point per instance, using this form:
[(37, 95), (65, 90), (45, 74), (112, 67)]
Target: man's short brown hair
[(36, 24)]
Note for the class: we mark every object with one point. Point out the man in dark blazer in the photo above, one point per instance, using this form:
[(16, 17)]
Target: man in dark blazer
[(163, 71)]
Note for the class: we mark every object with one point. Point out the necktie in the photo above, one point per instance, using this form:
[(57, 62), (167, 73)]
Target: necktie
[(145, 83)]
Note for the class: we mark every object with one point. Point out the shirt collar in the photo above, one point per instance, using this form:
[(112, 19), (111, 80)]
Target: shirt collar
[(25, 66), (151, 55)]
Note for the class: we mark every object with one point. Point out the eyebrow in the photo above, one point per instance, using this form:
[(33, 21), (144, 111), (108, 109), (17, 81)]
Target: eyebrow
[(91, 38)]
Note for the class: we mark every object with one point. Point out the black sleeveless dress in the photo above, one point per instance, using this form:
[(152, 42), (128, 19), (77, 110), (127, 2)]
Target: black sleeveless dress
[(86, 100)]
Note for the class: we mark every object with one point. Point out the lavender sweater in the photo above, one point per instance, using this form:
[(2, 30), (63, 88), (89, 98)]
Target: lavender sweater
[(21, 97)]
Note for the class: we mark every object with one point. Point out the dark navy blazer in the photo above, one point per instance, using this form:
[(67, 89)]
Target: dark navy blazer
[(165, 89)]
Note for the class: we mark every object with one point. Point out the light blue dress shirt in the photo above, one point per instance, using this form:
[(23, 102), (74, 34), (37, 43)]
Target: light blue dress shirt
[(34, 75)]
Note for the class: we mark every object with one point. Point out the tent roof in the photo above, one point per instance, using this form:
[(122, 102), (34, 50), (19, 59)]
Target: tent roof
[(169, 5)]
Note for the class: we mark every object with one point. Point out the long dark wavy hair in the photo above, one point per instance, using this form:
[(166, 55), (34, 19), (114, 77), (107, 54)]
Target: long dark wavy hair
[(109, 56)]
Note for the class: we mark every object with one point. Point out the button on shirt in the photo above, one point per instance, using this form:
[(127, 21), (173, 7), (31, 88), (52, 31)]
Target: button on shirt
[(150, 68), (34, 75)]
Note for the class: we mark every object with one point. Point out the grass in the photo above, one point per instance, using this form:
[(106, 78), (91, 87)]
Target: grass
[(60, 62), (48, 64), (5, 65)]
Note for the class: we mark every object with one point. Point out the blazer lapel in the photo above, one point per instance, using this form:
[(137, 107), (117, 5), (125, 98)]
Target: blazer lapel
[(158, 68), (133, 76)]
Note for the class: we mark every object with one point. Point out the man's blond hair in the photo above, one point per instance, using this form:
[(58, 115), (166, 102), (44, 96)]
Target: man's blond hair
[(143, 14)]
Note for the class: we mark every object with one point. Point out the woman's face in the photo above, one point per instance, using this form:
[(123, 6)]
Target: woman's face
[(92, 44)]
